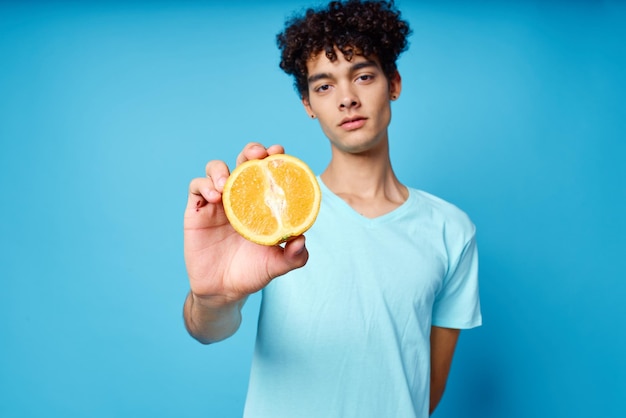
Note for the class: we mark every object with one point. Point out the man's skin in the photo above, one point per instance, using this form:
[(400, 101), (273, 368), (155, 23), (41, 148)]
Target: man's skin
[(223, 267), (352, 102)]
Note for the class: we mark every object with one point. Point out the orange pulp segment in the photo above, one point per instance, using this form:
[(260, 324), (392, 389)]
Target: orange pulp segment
[(270, 200)]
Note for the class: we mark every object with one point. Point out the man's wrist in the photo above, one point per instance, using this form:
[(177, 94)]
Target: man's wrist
[(217, 303)]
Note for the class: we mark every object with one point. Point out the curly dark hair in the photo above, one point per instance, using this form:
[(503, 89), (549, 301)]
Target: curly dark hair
[(367, 28)]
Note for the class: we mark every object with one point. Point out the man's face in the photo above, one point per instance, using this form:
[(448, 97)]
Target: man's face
[(351, 99)]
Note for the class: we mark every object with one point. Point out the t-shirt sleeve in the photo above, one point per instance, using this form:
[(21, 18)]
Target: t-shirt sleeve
[(457, 305)]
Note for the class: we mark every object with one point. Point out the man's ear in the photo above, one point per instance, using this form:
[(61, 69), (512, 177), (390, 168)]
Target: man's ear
[(395, 86), (307, 107)]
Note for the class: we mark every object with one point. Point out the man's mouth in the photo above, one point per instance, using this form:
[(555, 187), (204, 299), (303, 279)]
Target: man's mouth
[(352, 123)]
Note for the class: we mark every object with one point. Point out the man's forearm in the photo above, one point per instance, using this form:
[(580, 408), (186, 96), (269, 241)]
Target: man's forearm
[(442, 345), (210, 322)]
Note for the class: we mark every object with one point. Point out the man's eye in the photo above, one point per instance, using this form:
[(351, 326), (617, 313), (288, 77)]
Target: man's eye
[(365, 77), (323, 88)]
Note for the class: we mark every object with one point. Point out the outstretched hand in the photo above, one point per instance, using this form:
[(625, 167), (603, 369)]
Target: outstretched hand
[(224, 267)]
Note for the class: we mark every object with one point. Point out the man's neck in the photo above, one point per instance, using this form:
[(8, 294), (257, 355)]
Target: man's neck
[(365, 181)]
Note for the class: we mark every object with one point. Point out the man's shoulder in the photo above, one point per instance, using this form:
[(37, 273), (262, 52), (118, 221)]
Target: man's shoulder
[(446, 212)]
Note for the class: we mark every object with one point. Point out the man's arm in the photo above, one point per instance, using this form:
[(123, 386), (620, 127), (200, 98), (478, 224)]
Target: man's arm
[(210, 322), (223, 267), (442, 345)]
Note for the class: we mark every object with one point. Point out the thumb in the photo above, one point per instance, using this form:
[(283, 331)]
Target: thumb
[(293, 256)]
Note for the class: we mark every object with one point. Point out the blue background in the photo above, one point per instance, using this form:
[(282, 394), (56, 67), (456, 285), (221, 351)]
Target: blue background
[(514, 111)]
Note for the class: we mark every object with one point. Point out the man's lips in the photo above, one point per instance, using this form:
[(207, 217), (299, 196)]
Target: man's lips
[(352, 123)]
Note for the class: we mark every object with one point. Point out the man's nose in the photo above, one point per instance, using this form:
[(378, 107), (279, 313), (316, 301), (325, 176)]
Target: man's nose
[(348, 100)]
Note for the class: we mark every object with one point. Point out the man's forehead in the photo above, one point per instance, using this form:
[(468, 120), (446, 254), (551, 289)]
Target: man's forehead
[(321, 59)]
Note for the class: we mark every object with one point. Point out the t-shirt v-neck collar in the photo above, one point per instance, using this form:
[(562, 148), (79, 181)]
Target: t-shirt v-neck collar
[(346, 209)]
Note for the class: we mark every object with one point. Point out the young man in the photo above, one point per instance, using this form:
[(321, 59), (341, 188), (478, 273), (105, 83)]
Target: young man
[(368, 325)]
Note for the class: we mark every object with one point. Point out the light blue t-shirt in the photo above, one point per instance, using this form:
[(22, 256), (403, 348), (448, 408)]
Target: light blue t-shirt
[(348, 335)]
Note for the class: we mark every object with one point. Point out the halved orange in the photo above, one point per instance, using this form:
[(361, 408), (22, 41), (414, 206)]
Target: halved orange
[(273, 199)]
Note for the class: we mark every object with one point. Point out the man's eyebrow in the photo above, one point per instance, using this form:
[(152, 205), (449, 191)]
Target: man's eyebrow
[(316, 77), (355, 67)]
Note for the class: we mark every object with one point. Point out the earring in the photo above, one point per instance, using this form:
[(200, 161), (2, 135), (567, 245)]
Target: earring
[(312, 116)]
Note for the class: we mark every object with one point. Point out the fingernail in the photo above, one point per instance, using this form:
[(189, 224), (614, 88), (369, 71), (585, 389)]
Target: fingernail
[(220, 182), (301, 250)]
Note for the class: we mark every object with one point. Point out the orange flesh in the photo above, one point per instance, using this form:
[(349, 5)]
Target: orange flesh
[(269, 200)]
